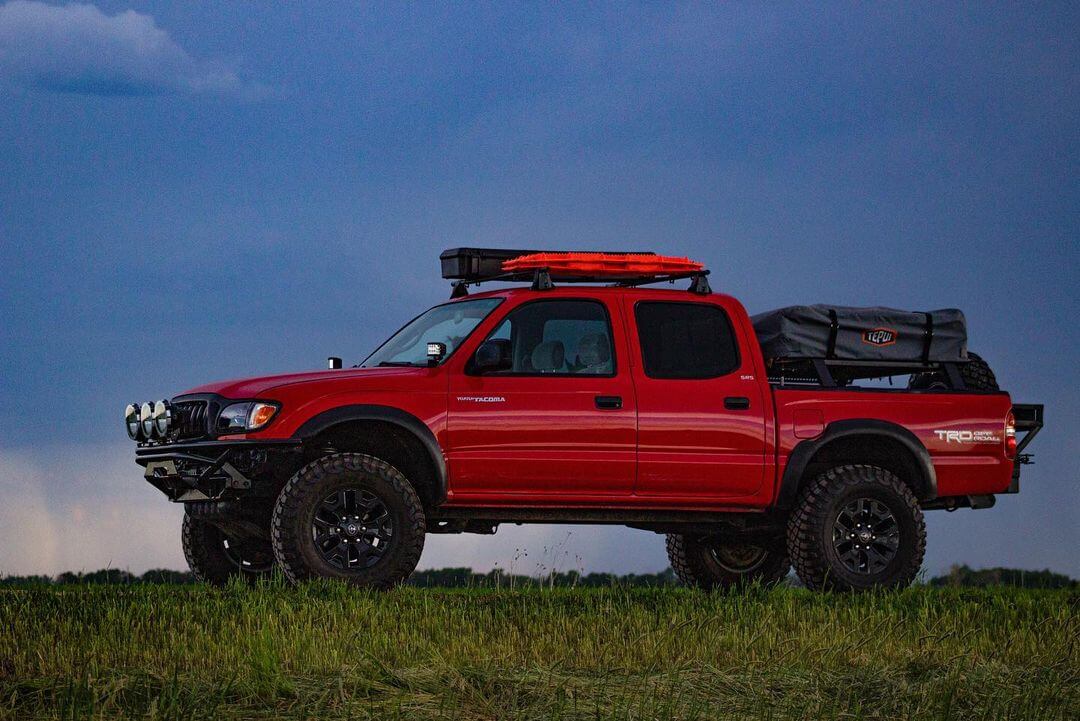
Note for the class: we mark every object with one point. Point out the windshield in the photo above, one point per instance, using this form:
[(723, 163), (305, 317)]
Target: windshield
[(450, 324)]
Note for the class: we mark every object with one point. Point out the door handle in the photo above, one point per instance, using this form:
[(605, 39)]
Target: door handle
[(736, 403), (609, 403)]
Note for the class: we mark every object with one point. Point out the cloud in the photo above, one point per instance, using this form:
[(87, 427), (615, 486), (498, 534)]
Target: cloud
[(81, 508), (79, 49)]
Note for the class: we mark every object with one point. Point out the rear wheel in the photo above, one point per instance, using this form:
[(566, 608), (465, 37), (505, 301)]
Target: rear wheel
[(214, 557), (856, 527), (711, 563), (348, 516)]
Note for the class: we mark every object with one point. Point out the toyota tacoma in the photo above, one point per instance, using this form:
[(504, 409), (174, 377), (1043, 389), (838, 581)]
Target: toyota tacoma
[(576, 392)]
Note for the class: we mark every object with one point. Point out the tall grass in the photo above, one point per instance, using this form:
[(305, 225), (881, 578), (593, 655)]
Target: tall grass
[(326, 651)]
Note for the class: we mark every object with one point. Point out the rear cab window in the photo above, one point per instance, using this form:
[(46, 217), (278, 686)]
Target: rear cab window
[(681, 340)]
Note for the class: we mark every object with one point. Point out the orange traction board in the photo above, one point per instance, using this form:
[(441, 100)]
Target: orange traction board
[(603, 264)]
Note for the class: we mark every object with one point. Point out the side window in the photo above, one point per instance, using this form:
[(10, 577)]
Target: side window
[(685, 340), (558, 337)]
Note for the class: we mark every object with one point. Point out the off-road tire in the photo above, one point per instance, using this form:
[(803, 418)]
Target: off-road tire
[(290, 526), (811, 525), (697, 563), (212, 562), (977, 375)]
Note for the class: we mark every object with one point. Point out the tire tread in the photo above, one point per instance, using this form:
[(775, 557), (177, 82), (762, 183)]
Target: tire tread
[(809, 517), (287, 510)]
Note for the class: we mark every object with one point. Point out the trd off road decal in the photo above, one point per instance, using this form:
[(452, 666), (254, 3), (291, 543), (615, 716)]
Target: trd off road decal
[(968, 436), (879, 336)]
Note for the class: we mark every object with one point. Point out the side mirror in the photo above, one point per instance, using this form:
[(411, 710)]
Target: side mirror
[(493, 355)]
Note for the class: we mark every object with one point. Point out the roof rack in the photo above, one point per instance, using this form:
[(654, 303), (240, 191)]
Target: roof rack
[(471, 266)]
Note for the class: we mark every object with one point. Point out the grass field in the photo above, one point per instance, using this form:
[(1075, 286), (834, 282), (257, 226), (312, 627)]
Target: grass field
[(327, 652)]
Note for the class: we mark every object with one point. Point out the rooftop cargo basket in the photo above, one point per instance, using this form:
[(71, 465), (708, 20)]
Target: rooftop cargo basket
[(469, 266), (837, 344)]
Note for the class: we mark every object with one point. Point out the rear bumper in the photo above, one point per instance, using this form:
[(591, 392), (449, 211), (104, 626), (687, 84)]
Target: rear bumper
[(212, 470)]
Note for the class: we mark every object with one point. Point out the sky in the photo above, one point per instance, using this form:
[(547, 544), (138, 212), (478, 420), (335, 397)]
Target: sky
[(191, 192)]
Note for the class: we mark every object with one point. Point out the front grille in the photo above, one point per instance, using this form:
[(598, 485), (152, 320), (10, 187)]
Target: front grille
[(190, 419)]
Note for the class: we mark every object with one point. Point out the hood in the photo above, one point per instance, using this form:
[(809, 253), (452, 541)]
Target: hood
[(260, 386)]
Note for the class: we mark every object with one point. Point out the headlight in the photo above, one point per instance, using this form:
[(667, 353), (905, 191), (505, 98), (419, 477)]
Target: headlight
[(146, 420), (131, 420), (162, 417), (242, 417)]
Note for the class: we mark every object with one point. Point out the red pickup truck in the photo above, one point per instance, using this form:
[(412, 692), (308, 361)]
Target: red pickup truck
[(587, 396)]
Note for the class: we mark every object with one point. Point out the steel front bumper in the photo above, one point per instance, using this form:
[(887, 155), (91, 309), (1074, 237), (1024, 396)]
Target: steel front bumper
[(210, 470)]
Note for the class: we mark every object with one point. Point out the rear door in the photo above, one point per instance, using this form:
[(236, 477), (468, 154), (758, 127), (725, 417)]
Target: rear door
[(701, 414), (559, 425)]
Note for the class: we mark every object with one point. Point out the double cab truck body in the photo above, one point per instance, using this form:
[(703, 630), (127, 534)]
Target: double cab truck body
[(578, 403)]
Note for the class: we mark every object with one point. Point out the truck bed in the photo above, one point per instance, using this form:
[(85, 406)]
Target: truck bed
[(962, 431)]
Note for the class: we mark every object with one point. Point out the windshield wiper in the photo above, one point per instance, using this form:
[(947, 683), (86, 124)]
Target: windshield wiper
[(397, 364)]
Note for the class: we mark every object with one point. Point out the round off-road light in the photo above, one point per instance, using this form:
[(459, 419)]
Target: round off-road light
[(131, 420), (162, 417), (146, 420)]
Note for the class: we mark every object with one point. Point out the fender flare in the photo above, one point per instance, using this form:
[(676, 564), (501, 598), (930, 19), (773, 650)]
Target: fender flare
[(388, 414), (805, 451)]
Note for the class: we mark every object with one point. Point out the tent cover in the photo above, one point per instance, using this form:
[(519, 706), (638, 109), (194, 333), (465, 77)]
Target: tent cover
[(870, 334)]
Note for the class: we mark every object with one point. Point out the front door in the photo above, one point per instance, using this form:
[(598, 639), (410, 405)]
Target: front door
[(560, 424), (701, 418)]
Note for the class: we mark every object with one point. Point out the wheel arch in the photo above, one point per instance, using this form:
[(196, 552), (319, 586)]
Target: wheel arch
[(860, 440), (391, 434)]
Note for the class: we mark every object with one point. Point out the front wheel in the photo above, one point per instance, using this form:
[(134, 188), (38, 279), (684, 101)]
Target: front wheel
[(856, 527), (714, 563), (214, 557), (348, 516)]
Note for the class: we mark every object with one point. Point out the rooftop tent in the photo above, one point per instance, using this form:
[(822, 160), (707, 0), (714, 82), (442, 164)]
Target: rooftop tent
[(476, 264), (862, 334)]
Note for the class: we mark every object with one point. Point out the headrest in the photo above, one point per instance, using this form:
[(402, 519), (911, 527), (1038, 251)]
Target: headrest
[(548, 356), (593, 350)]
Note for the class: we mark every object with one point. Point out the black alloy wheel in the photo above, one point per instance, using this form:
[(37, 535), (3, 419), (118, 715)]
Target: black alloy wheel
[(865, 536), (214, 557), (352, 528), (247, 557)]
